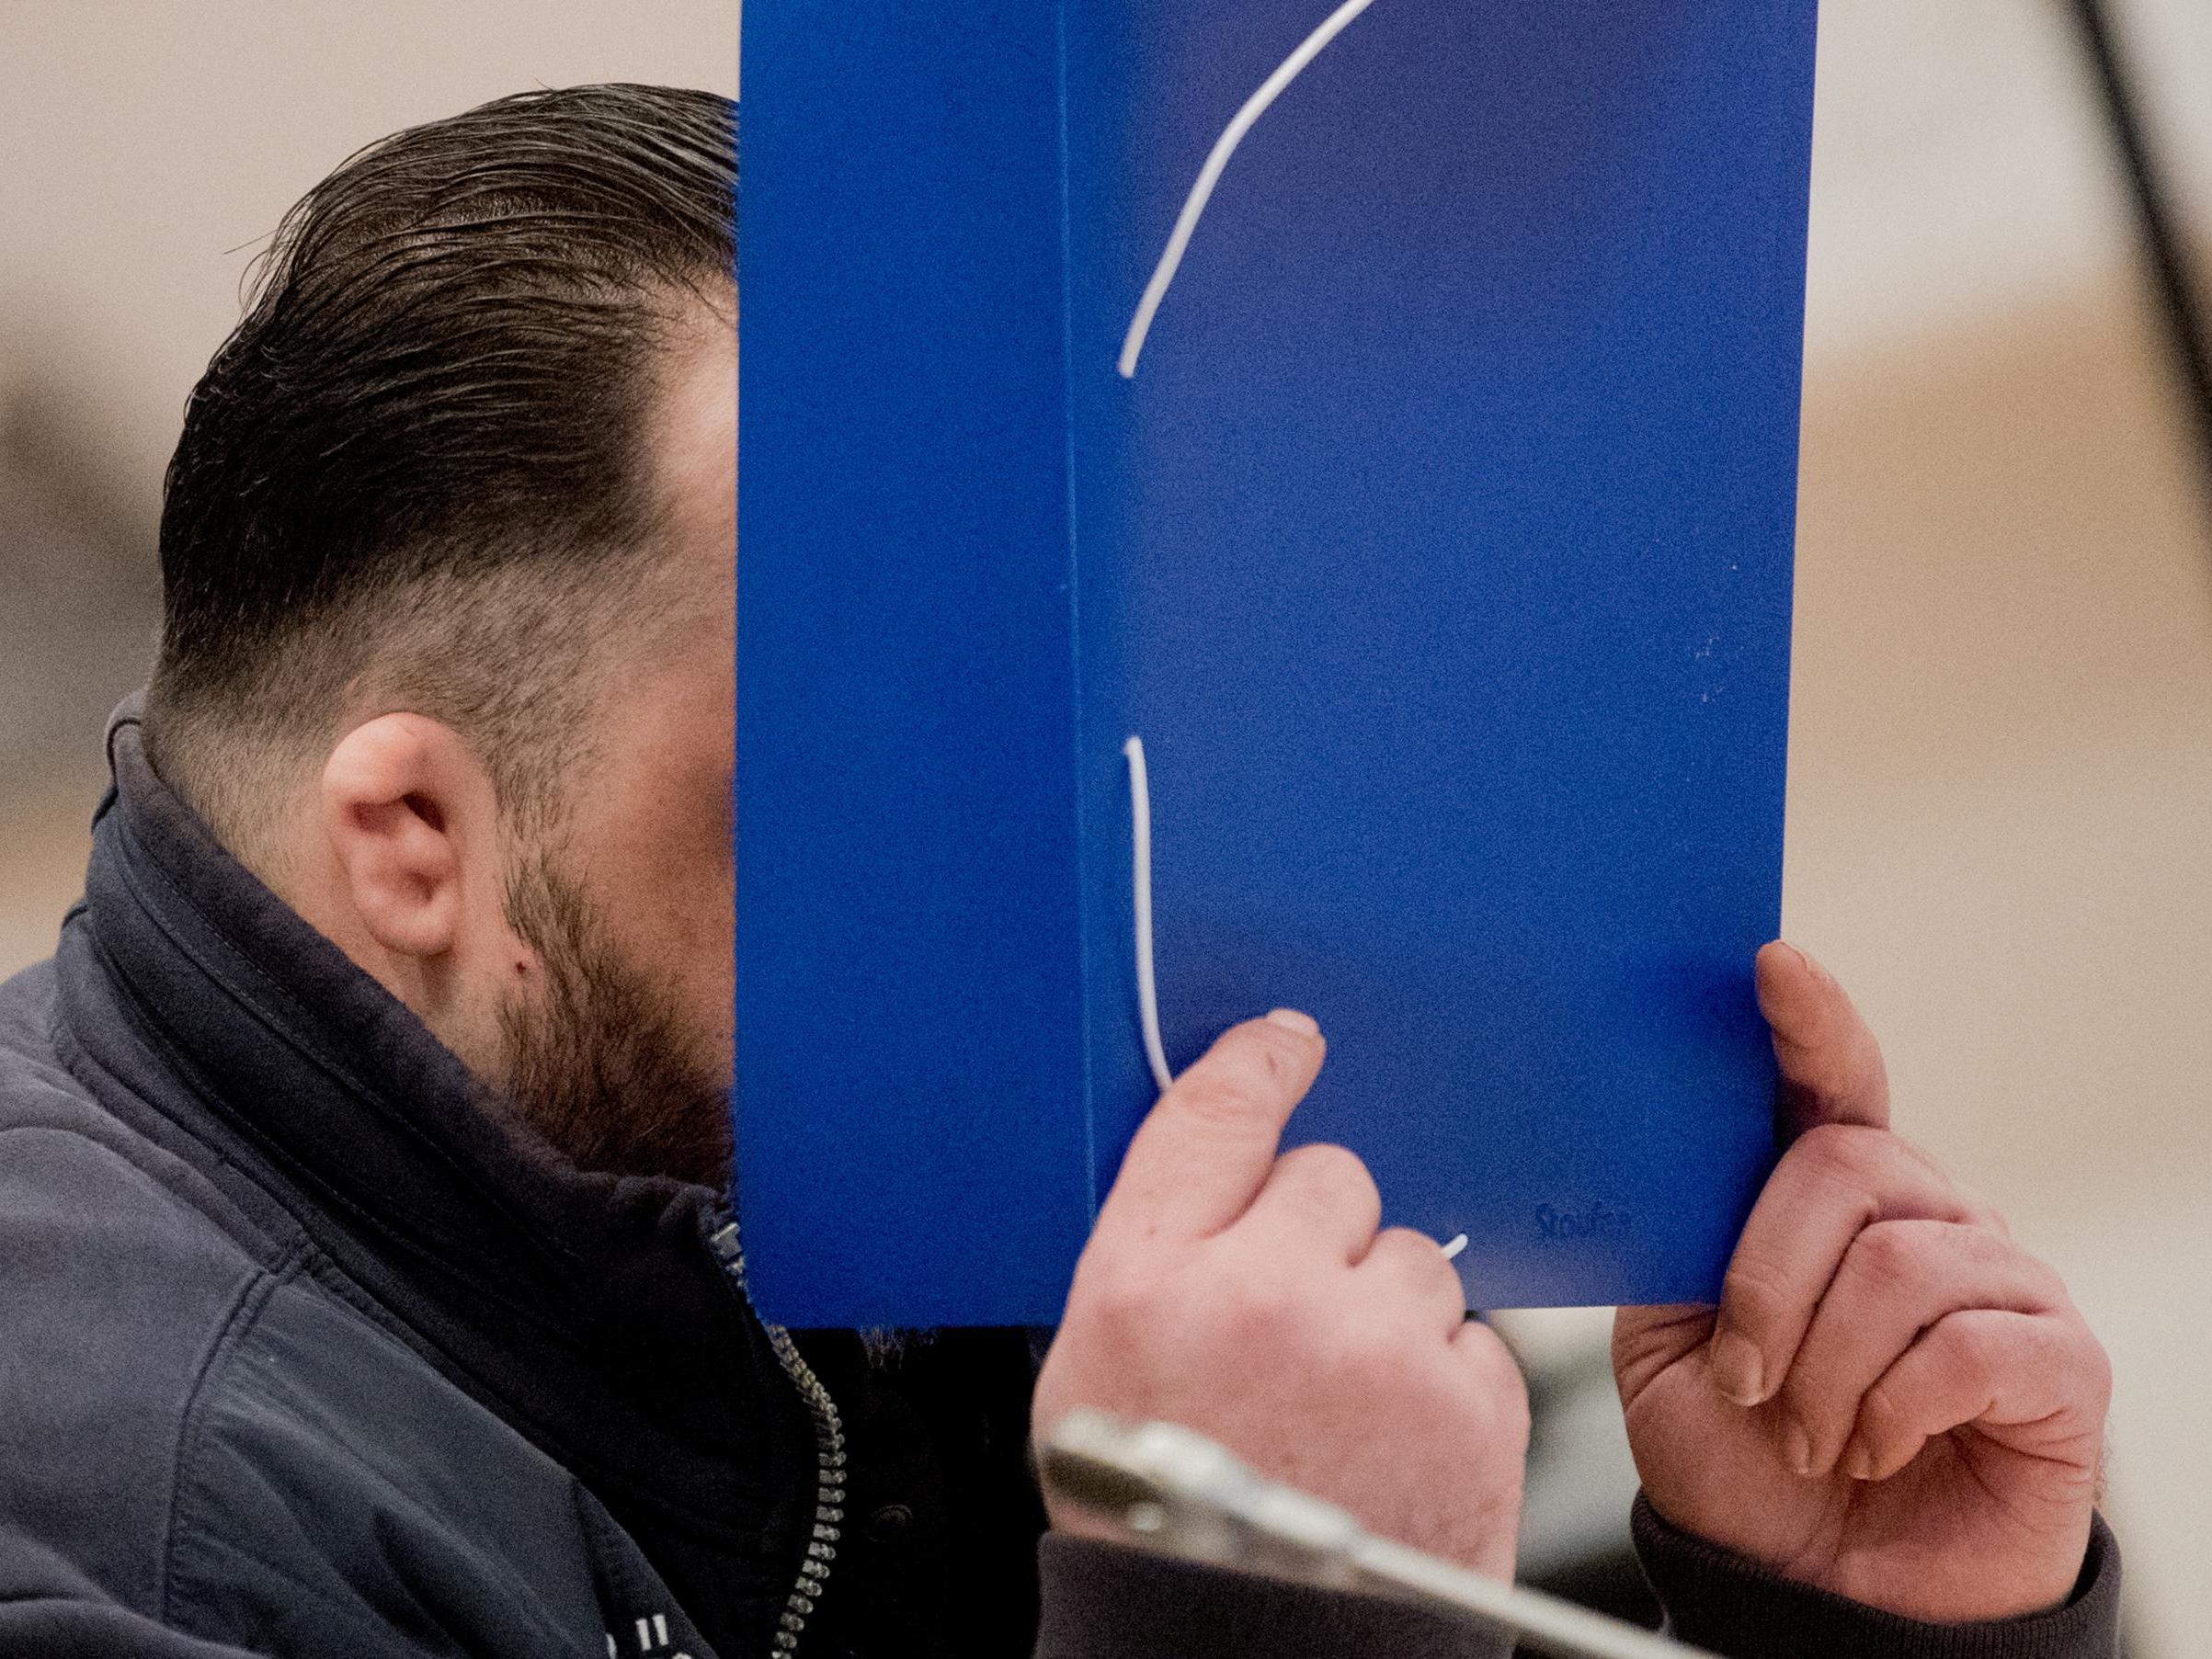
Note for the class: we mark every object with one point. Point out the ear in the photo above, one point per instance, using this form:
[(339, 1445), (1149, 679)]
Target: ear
[(411, 825)]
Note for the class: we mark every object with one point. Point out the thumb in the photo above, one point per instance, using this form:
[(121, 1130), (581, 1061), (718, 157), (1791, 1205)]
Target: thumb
[(1206, 1150), (1831, 1073), (1831, 1066)]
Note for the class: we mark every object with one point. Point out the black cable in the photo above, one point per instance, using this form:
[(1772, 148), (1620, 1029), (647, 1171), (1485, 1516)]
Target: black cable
[(2180, 297)]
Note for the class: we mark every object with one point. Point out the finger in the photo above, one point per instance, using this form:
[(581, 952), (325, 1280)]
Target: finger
[(1412, 1267), (1978, 1206), (1204, 1151), (1317, 1198), (1831, 1066), (1897, 1280), (1648, 1341), (1837, 1180), (2037, 1384)]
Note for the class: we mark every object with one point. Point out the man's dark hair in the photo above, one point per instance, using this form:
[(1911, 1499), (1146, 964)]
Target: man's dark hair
[(420, 467)]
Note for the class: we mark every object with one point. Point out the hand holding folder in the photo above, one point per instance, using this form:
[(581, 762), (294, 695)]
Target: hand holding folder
[(1245, 1291), (1893, 1397), (1894, 1403)]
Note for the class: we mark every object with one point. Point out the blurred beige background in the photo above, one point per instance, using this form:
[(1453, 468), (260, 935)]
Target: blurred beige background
[(2001, 808)]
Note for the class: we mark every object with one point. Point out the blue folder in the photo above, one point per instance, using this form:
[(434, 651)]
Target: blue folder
[(1438, 550)]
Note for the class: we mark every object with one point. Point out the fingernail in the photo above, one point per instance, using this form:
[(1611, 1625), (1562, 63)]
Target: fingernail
[(1738, 1369), (1858, 1464), (1797, 1448), (1290, 1019)]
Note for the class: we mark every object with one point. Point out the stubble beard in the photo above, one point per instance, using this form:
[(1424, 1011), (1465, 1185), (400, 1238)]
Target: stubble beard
[(595, 1065), (598, 1063)]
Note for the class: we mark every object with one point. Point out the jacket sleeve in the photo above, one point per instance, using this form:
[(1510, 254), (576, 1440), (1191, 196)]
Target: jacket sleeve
[(98, 1629), (1720, 1601), (50, 1607), (1105, 1601)]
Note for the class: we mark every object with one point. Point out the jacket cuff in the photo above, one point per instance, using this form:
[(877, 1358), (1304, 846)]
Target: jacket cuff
[(1107, 1601), (1720, 1600)]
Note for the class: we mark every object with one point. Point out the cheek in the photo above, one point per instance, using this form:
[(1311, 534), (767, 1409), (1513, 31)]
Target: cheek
[(672, 916), (694, 947), (714, 975)]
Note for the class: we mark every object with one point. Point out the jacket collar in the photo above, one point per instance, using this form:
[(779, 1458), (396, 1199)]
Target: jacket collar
[(586, 1310)]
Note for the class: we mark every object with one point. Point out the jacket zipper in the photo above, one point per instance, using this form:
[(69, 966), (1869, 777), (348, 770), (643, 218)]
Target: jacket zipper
[(829, 1456)]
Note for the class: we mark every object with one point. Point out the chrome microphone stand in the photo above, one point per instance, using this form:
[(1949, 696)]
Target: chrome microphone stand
[(1168, 1489)]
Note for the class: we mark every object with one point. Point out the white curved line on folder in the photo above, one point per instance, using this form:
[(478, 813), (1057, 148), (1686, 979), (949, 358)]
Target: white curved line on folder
[(1210, 175), (1147, 990), (1140, 829)]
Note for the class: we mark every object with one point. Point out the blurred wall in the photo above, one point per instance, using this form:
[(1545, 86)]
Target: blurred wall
[(147, 149), (2001, 808), (2001, 801)]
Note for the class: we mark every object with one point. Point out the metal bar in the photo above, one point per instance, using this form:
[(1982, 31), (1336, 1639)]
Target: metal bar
[(2181, 295), (1166, 1488)]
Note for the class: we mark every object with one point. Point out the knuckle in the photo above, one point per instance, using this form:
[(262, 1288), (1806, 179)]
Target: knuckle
[(2072, 1349), (1216, 1101), (1973, 1243), (2046, 1285), (1964, 1347), (1890, 1255), (1914, 1154), (1416, 1256), (1755, 1294), (1273, 1063), (1254, 1067), (1881, 1412), (1486, 1366), (1981, 1210), (2097, 1371), (1405, 1241), (1820, 1146), (1918, 1254), (1274, 1051), (1338, 1171), (1840, 1154)]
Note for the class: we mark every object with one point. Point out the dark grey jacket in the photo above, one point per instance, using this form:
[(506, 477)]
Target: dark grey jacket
[(302, 1352)]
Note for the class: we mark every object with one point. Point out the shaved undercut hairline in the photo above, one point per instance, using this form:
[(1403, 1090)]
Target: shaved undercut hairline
[(422, 476), (514, 661)]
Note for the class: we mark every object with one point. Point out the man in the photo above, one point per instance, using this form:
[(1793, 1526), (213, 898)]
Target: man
[(365, 1270)]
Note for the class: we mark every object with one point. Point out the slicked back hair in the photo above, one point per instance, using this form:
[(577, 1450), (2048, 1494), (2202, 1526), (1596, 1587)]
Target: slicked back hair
[(420, 468)]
